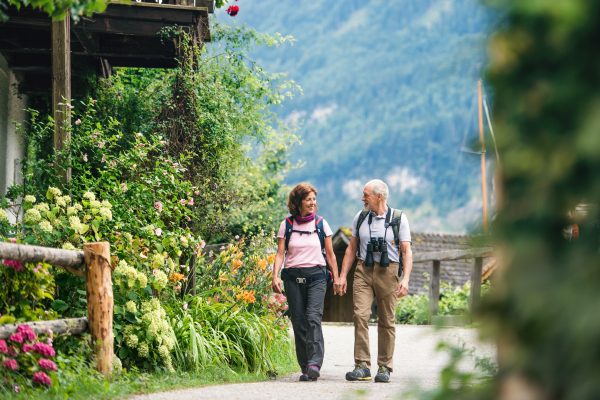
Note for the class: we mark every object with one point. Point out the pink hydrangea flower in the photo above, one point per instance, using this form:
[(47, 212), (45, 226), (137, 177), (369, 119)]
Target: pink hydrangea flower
[(16, 338), (42, 379), (13, 263), (44, 349), (78, 122), (183, 202), (25, 330), (101, 145), (104, 158), (175, 164), (191, 202), (9, 363), (197, 192), (47, 364), (12, 351), (3, 347), (85, 157), (27, 348), (158, 231), (158, 205), (154, 272)]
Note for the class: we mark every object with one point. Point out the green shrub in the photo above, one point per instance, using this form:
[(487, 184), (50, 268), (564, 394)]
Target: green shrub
[(414, 309)]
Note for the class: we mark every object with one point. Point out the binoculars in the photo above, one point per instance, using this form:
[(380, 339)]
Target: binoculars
[(377, 245)]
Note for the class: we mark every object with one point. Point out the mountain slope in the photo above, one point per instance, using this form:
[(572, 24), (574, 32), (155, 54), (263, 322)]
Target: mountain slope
[(389, 90)]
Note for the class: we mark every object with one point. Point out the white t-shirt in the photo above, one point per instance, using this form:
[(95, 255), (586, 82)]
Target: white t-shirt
[(378, 230), (304, 250)]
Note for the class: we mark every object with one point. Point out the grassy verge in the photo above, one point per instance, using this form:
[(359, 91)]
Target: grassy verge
[(88, 386)]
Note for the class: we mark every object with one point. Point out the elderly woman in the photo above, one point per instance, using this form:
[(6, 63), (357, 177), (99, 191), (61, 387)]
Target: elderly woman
[(307, 252)]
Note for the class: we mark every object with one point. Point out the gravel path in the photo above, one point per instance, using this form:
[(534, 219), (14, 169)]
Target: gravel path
[(416, 362)]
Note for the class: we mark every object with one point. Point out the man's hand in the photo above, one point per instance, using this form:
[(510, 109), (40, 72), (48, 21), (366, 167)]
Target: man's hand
[(276, 285), (402, 289), (340, 285)]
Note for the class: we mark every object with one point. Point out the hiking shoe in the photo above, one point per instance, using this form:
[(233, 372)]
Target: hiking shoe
[(313, 372), (304, 377), (360, 373), (383, 374)]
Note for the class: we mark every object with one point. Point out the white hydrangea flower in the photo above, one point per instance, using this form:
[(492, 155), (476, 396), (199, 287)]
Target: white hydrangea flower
[(143, 349), (142, 279), (131, 341), (128, 237), (160, 280), (106, 203), (153, 328), (54, 191), (32, 215), (3, 216), (57, 222), (89, 195), (129, 329), (146, 308), (67, 198), (87, 217), (29, 199), (163, 351), (75, 223), (95, 204), (158, 260), (78, 206), (121, 266), (61, 202), (46, 226), (68, 246), (167, 341), (117, 365), (155, 304), (131, 307), (42, 207), (106, 213), (71, 210)]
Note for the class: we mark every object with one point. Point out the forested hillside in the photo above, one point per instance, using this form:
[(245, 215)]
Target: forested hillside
[(389, 92)]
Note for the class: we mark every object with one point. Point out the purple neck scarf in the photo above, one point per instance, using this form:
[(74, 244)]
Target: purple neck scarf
[(303, 220)]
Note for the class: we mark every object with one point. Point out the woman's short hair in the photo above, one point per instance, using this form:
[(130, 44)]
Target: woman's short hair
[(378, 187), (299, 193)]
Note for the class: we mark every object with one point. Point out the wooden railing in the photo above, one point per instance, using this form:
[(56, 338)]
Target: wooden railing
[(436, 257), (92, 264)]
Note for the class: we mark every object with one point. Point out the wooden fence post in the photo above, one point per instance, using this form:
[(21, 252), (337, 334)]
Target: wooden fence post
[(100, 301), (434, 288), (476, 284)]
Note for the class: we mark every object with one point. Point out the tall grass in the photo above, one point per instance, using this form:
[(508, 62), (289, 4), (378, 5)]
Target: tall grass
[(224, 334)]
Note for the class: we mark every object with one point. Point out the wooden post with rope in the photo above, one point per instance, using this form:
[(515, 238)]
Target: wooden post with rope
[(100, 302), (483, 176)]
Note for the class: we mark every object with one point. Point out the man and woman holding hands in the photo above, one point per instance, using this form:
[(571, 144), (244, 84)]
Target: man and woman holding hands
[(305, 249)]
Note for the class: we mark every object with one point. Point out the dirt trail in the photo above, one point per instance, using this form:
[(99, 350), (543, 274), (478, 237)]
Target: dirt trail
[(416, 362)]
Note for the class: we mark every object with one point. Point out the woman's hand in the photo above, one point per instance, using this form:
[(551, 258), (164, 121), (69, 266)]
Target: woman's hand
[(276, 285)]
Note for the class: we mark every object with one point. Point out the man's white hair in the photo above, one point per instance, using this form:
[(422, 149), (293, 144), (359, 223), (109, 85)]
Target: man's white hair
[(378, 187)]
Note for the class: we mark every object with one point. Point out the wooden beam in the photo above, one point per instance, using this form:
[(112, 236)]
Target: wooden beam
[(476, 285), (38, 254), (88, 40), (100, 302), (73, 326), (132, 27), (452, 254), (163, 6), (61, 87), (434, 288)]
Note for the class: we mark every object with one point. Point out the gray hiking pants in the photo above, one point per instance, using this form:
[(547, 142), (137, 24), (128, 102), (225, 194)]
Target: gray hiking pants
[(305, 303)]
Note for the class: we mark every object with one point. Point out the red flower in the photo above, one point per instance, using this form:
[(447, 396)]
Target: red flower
[(42, 379), (47, 364), (233, 10)]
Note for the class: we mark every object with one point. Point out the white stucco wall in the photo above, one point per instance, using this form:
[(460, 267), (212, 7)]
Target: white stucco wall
[(12, 109)]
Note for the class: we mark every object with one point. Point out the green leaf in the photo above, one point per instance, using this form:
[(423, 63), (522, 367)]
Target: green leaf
[(29, 240), (59, 305), (159, 248), (165, 242), (96, 225), (84, 228), (130, 317), (117, 310), (7, 319), (123, 352), (132, 296)]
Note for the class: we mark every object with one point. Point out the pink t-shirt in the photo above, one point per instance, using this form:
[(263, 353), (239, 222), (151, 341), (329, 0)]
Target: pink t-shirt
[(304, 250)]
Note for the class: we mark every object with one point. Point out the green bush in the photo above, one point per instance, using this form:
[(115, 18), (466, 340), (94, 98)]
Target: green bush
[(414, 309)]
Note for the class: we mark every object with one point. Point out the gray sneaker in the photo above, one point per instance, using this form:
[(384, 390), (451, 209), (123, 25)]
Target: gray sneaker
[(360, 373), (383, 374)]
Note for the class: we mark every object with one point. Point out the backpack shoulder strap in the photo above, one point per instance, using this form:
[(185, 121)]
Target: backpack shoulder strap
[(361, 218), (396, 221), (320, 231), (288, 231)]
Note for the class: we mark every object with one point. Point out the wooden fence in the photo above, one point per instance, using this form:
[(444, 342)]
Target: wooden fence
[(92, 264), (436, 257)]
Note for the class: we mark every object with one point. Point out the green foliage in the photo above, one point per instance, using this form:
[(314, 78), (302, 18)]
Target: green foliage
[(27, 290), (57, 9), (414, 309), (545, 76)]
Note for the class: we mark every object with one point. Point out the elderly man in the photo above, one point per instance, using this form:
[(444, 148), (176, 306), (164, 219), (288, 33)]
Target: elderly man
[(376, 281)]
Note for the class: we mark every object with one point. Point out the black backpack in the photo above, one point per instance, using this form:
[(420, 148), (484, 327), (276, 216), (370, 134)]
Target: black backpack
[(391, 220)]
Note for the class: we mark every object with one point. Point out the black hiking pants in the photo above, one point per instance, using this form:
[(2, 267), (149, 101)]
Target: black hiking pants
[(305, 303)]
